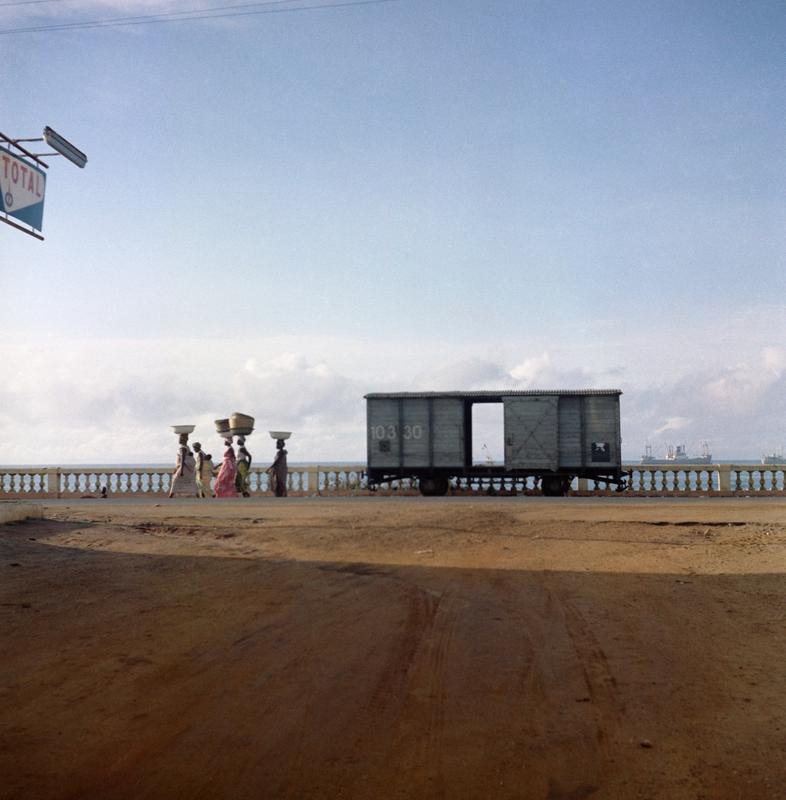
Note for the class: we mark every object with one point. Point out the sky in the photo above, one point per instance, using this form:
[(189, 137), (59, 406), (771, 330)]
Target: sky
[(283, 211)]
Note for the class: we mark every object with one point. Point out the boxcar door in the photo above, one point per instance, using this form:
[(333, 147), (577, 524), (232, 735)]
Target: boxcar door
[(531, 432)]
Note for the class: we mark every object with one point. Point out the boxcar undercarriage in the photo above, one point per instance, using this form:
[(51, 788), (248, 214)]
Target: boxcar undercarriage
[(437, 482)]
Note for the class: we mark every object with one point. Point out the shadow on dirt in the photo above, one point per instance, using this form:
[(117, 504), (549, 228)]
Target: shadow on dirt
[(177, 676)]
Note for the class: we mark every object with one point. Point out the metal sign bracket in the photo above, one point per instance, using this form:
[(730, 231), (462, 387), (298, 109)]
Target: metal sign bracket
[(28, 231)]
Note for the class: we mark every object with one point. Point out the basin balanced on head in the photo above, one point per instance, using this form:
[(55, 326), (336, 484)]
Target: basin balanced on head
[(233, 475)]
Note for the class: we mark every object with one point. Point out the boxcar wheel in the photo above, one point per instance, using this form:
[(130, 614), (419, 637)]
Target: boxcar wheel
[(440, 487), (552, 486), (426, 486), (433, 487)]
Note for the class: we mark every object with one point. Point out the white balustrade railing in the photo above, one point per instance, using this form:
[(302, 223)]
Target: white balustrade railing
[(706, 479), (644, 481), (21, 482)]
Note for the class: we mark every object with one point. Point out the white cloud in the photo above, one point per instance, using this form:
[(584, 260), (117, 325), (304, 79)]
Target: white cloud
[(545, 371), (469, 374), (112, 401), (531, 368), (673, 424), (742, 386), (774, 359)]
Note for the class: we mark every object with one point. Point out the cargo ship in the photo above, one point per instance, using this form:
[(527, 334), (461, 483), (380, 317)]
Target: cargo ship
[(773, 458), (677, 455)]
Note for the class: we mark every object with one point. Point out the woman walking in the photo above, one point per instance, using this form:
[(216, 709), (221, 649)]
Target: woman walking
[(243, 468), (184, 477), (278, 470), (225, 480), (204, 471)]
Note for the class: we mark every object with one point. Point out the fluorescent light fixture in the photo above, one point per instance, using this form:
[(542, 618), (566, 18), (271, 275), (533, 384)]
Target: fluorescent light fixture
[(64, 147)]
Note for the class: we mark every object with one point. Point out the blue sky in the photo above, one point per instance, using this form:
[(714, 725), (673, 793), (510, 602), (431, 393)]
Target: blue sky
[(284, 211)]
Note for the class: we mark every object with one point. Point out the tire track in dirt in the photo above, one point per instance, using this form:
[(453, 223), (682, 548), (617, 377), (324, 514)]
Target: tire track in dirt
[(600, 681), (490, 657), (547, 717), (376, 681), (422, 607), (434, 665), (411, 695)]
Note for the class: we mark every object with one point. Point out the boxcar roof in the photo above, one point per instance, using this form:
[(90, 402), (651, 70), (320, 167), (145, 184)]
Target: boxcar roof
[(487, 394)]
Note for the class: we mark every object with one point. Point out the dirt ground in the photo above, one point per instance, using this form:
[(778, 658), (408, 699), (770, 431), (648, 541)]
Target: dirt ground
[(394, 648)]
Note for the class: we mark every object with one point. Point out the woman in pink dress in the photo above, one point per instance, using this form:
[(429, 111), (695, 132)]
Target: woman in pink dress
[(225, 480)]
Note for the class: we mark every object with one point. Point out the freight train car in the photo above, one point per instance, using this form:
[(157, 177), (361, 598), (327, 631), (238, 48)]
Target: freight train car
[(555, 436)]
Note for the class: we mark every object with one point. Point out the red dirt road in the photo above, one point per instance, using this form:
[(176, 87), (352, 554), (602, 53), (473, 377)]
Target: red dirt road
[(394, 648)]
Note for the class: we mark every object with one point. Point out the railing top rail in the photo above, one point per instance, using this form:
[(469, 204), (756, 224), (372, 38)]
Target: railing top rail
[(167, 468), (147, 470), (25, 470), (714, 465)]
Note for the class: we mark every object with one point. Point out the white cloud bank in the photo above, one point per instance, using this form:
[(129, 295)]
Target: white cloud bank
[(111, 401)]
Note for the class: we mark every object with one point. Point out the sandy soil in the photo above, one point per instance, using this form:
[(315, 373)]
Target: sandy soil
[(394, 648)]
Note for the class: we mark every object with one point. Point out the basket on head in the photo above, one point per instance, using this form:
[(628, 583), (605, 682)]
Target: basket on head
[(241, 424), (180, 429), (280, 435), (222, 427)]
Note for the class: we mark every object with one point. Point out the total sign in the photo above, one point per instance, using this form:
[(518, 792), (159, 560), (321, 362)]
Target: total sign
[(21, 190)]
